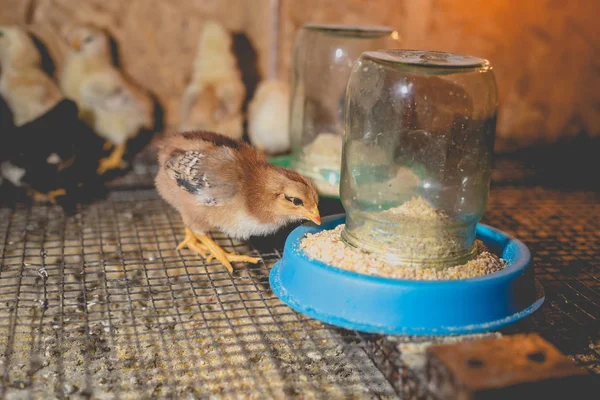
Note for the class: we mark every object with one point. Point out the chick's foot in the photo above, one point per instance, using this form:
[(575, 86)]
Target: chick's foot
[(49, 197), (115, 160), (192, 243), (203, 245)]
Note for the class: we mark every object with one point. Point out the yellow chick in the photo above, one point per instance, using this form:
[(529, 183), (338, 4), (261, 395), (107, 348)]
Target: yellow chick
[(26, 88), (119, 111), (214, 96), (268, 117), (50, 151), (89, 51)]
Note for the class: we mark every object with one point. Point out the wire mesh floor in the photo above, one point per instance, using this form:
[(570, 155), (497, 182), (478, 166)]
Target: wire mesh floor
[(101, 305)]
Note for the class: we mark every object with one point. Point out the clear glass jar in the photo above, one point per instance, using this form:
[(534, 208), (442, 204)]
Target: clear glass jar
[(418, 143), (322, 61)]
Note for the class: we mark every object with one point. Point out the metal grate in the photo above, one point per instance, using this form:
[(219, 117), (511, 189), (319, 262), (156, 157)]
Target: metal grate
[(561, 228), (100, 304)]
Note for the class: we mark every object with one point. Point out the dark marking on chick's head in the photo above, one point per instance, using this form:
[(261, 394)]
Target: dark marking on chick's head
[(113, 46), (47, 63)]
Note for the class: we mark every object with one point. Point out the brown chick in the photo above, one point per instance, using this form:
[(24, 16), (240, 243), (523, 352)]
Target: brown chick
[(217, 182)]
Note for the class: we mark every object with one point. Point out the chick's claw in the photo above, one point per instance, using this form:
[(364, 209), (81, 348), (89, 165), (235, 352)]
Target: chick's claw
[(221, 255), (203, 244), (191, 243), (188, 238), (216, 250)]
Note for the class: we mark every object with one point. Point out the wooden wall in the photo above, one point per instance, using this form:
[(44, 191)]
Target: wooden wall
[(546, 53)]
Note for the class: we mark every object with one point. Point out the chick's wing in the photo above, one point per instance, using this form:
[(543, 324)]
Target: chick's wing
[(205, 174)]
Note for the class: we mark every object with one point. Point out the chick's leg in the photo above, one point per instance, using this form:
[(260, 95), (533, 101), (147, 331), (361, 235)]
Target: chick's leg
[(224, 257), (107, 145), (203, 245), (48, 197), (191, 243), (115, 160)]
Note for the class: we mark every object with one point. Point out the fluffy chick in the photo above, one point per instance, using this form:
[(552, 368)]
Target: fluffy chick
[(216, 182), (48, 136), (268, 117), (214, 96), (26, 88), (123, 114), (89, 51)]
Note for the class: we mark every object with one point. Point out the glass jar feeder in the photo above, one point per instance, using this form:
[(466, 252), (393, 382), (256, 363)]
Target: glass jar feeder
[(417, 152), (322, 61), (416, 162)]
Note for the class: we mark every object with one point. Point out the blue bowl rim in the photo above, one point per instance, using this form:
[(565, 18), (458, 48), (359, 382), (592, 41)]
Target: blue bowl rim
[(492, 325), (522, 261)]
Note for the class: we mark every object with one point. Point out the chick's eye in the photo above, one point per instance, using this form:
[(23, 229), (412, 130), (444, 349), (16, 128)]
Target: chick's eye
[(87, 39), (296, 201)]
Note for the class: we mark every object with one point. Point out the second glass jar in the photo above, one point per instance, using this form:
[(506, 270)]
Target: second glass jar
[(322, 61)]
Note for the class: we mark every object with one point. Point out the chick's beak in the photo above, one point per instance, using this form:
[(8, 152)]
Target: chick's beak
[(76, 44), (314, 216)]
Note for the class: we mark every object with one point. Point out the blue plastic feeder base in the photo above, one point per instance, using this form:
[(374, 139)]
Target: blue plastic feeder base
[(408, 307)]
